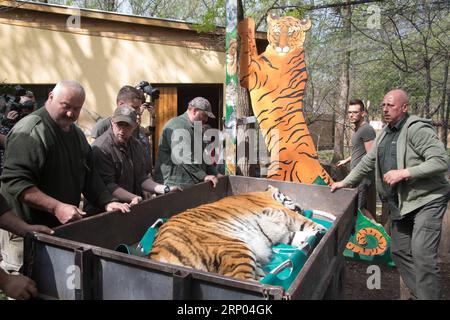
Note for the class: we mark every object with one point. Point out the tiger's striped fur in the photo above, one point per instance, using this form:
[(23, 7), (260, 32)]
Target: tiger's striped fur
[(233, 236), (277, 80)]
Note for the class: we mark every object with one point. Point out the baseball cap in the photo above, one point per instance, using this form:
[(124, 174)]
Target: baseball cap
[(125, 114), (202, 104)]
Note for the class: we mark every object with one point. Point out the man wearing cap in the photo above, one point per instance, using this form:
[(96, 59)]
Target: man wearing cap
[(183, 168), (118, 159), (129, 96)]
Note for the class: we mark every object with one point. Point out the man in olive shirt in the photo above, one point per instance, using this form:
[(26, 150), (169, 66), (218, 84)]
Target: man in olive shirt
[(176, 162), (48, 165), (118, 159), (410, 165), (362, 140)]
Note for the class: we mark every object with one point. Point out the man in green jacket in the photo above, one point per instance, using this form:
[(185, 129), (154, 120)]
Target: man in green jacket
[(410, 165), (48, 165), (180, 152)]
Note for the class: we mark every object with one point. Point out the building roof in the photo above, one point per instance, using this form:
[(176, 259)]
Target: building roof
[(106, 16)]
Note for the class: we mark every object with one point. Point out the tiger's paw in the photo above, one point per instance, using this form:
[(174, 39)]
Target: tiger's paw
[(246, 26), (301, 237)]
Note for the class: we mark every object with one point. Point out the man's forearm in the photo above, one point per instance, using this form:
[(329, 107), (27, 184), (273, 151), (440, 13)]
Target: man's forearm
[(123, 195), (35, 198), (2, 140), (12, 223), (3, 278), (151, 186)]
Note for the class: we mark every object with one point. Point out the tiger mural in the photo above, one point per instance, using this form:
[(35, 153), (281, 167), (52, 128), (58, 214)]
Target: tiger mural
[(276, 80), (233, 236)]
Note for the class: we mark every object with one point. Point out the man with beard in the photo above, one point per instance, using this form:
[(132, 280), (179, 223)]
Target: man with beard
[(362, 140), (118, 158)]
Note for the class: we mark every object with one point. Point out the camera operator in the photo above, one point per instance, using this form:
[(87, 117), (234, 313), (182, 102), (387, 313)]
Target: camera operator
[(16, 109), (134, 97), (150, 96)]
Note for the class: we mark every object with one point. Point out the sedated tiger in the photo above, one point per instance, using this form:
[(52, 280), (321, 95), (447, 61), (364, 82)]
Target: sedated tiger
[(233, 236)]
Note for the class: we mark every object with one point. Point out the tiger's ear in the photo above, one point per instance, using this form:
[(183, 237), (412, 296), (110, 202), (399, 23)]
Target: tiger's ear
[(271, 16), (305, 24)]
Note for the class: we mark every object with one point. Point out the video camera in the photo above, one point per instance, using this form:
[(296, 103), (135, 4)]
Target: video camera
[(149, 90), (12, 94), (11, 102)]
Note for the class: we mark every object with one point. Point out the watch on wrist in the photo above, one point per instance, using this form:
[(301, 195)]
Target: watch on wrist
[(166, 189)]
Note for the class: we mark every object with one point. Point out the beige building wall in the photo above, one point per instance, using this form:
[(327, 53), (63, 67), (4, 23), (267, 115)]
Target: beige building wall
[(101, 64)]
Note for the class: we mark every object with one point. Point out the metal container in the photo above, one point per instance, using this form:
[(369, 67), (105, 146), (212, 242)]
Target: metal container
[(79, 261)]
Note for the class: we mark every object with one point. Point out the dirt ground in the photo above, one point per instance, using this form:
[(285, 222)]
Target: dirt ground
[(355, 285)]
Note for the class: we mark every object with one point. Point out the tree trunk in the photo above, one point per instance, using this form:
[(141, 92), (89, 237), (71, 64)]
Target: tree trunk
[(442, 111), (243, 110), (447, 113), (340, 112), (427, 64)]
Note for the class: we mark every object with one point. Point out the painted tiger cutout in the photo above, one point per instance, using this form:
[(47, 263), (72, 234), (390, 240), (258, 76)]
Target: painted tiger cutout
[(361, 246), (233, 236), (276, 80)]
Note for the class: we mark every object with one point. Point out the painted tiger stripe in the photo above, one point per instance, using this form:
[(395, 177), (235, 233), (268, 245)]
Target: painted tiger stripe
[(297, 56), (256, 82), (275, 109), (294, 94), (268, 62), (265, 81), (289, 121), (267, 93), (308, 155), (299, 138), (300, 130)]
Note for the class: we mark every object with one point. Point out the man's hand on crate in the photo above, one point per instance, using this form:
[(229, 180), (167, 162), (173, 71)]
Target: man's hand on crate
[(117, 206), (67, 213), (337, 185), (17, 286)]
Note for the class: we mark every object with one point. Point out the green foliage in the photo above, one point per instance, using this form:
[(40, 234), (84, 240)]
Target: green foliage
[(407, 50), (299, 12), (211, 17)]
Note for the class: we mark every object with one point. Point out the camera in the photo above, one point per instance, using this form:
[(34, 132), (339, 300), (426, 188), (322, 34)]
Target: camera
[(11, 102), (11, 94), (149, 90), (22, 109)]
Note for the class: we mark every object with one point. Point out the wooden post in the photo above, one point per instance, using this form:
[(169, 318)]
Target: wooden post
[(231, 88)]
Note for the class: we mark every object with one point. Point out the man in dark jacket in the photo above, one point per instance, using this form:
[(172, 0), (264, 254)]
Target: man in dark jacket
[(119, 161)]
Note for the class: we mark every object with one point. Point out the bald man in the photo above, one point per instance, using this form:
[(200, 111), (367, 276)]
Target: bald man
[(48, 165), (410, 165)]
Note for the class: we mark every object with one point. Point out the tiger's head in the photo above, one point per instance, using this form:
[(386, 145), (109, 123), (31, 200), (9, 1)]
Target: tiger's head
[(280, 197), (286, 33)]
